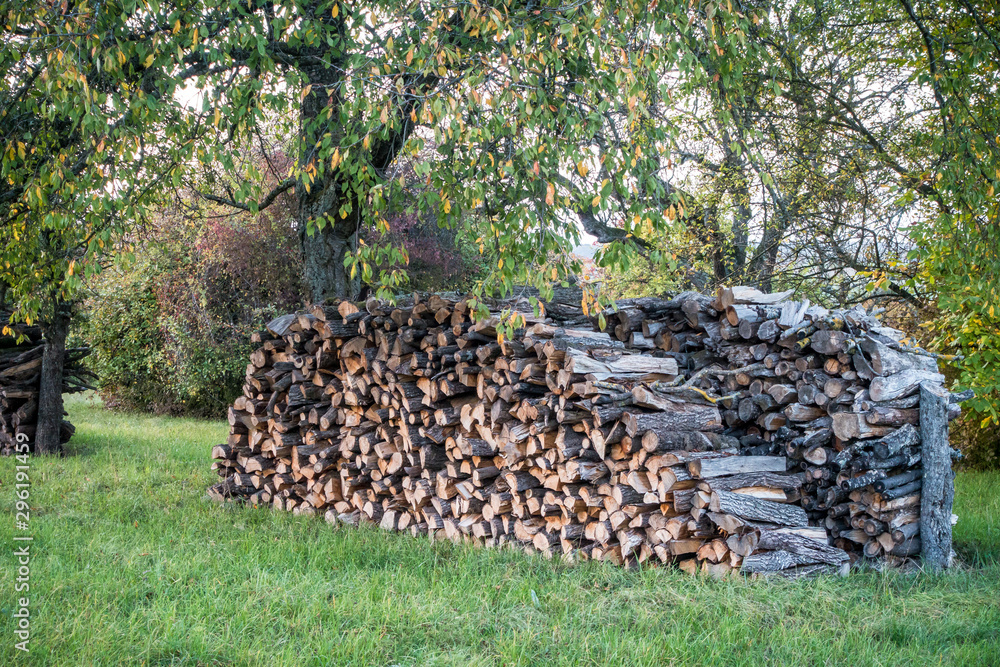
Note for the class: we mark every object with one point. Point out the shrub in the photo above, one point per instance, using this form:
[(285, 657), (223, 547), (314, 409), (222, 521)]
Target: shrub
[(171, 329), (121, 326)]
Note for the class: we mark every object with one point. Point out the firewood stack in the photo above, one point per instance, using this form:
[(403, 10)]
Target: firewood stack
[(21, 348), (741, 432)]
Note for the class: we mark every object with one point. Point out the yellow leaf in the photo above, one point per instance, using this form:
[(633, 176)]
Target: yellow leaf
[(409, 56), (335, 159), (582, 168), (446, 205), (550, 194), (218, 115), (596, 201), (148, 61), (500, 263), (177, 26), (305, 92), (334, 11), (385, 116)]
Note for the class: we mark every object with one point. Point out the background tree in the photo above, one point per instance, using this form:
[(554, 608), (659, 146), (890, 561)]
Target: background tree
[(87, 111), (856, 160), (776, 191)]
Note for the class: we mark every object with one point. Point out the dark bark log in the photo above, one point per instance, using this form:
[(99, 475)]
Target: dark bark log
[(892, 444), (684, 417), (755, 509), (50, 401), (819, 552), (896, 481), (900, 491), (744, 480)]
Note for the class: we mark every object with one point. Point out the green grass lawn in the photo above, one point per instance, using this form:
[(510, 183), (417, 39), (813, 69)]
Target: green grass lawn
[(133, 565)]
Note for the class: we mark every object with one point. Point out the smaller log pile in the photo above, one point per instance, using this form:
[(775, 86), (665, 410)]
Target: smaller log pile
[(736, 432), (20, 372)]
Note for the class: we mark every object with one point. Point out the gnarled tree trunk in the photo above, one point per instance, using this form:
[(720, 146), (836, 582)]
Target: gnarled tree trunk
[(50, 400), (324, 250), (333, 236)]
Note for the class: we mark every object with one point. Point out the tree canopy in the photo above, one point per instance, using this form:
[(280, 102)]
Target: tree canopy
[(89, 123), (533, 115)]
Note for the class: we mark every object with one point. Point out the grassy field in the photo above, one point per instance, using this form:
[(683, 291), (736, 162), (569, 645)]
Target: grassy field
[(132, 565)]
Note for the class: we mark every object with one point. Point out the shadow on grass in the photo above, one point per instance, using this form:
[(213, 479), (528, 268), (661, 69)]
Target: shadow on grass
[(977, 554)]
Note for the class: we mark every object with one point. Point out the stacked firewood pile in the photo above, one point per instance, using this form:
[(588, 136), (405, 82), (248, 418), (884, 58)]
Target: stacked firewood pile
[(21, 350), (737, 432)]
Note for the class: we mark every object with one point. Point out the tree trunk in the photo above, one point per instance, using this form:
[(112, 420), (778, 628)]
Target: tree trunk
[(320, 193), (741, 219), (323, 254), (328, 193), (50, 401)]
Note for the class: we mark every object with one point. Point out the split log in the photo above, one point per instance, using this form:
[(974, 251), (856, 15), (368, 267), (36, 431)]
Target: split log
[(733, 465)]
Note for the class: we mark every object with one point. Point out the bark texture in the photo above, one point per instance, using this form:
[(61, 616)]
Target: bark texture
[(50, 401), (938, 490)]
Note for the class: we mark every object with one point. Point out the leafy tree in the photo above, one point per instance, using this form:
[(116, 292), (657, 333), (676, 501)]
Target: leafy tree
[(957, 49), (525, 104), (104, 104), (86, 109), (775, 189)]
